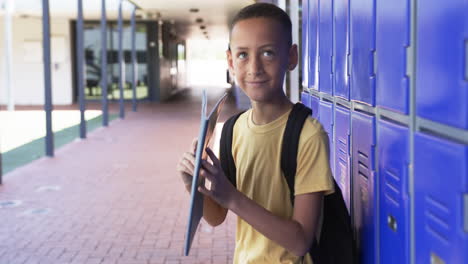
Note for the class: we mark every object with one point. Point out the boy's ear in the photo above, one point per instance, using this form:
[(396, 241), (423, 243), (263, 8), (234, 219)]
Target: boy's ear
[(293, 57), (230, 62)]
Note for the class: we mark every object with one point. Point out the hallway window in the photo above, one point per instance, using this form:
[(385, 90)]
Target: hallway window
[(92, 45)]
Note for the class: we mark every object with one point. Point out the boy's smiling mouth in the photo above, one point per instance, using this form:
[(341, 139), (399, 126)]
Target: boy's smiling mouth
[(256, 82)]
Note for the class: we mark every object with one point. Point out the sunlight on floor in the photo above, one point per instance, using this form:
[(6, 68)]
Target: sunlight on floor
[(21, 127)]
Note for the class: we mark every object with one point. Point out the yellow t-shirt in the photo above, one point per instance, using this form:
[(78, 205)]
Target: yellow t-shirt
[(256, 150)]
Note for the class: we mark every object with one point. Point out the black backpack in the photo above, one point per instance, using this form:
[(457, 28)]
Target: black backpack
[(336, 245)]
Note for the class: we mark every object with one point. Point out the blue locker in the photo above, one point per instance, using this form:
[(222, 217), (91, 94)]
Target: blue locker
[(363, 184), (325, 46), (441, 197), (312, 28), (314, 105), (392, 38), (342, 152), (305, 99), (394, 219), (341, 48), (305, 44), (362, 45), (441, 74), (326, 119)]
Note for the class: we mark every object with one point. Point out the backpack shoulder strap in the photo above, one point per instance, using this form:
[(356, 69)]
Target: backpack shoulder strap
[(290, 144), (225, 149)]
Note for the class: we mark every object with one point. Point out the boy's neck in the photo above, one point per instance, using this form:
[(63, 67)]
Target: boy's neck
[(266, 112)]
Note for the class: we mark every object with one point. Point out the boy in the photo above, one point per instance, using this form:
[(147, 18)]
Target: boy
[(269, 228)]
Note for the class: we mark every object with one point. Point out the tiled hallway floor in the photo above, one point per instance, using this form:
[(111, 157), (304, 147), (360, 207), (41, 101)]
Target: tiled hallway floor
[(114, 197)]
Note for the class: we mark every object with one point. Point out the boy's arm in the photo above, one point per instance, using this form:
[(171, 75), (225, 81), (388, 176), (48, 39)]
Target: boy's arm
[(296, 234), (213, 213)]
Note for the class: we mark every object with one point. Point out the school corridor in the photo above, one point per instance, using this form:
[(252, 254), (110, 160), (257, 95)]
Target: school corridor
[(114, 197)]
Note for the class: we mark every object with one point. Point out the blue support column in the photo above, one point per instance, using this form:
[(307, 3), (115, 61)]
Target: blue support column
[(105, 108), (121, 63), (47, 77), (80, 68), (134, 62)]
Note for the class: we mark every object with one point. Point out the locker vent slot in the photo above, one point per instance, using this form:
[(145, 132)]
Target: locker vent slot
[(392, 183), (436, 214)]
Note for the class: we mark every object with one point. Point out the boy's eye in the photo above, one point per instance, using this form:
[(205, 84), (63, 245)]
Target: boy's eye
[(268, 53), (242, 55)]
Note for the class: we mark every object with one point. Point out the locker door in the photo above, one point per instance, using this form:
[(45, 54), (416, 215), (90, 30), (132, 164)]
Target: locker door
[(362, 45), (326, 119), (341, 48), (364, 198), (305, 44), (325, 46), (441, 200), (441, 66), (393, 36), (305, 99), (314, 105), (342, 153), (312, 28), (393, 152)]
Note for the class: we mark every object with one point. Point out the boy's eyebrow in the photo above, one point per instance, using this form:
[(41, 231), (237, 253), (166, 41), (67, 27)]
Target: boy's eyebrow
[(262, 46)]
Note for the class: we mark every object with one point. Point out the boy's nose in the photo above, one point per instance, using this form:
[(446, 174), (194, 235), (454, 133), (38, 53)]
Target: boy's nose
[(255, 67)]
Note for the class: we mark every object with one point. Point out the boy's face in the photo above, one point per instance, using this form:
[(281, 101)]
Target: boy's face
[(259, 56)]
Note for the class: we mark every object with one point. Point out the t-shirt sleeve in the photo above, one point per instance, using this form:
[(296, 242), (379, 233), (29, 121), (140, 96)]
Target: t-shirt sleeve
[(313, 172)]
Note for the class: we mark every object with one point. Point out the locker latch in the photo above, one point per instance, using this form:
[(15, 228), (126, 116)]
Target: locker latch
[(392, 223)]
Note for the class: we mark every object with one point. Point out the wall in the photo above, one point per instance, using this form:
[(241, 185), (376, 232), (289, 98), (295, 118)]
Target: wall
[(28, 84)]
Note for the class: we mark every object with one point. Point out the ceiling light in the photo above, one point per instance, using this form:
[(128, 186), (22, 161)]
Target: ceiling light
[(194, 10), (202, 27), (199, 20)]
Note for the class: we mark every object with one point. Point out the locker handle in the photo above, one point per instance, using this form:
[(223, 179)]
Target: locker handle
[(392, 223)]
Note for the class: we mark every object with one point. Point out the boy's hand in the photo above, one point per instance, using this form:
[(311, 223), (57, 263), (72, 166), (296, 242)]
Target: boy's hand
[(186, 166), (220, 189)]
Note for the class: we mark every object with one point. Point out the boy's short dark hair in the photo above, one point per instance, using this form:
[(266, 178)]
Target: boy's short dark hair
[(265, 10)]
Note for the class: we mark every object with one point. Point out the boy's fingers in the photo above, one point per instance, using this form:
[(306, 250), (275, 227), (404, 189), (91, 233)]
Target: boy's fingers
[(210, 168), (189, 156), (204, 191), (206, 174), (194, 144), (185, 164), (212, 157)]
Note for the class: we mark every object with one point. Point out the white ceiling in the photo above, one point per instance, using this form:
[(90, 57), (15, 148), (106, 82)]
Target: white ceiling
[(216, 14)]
